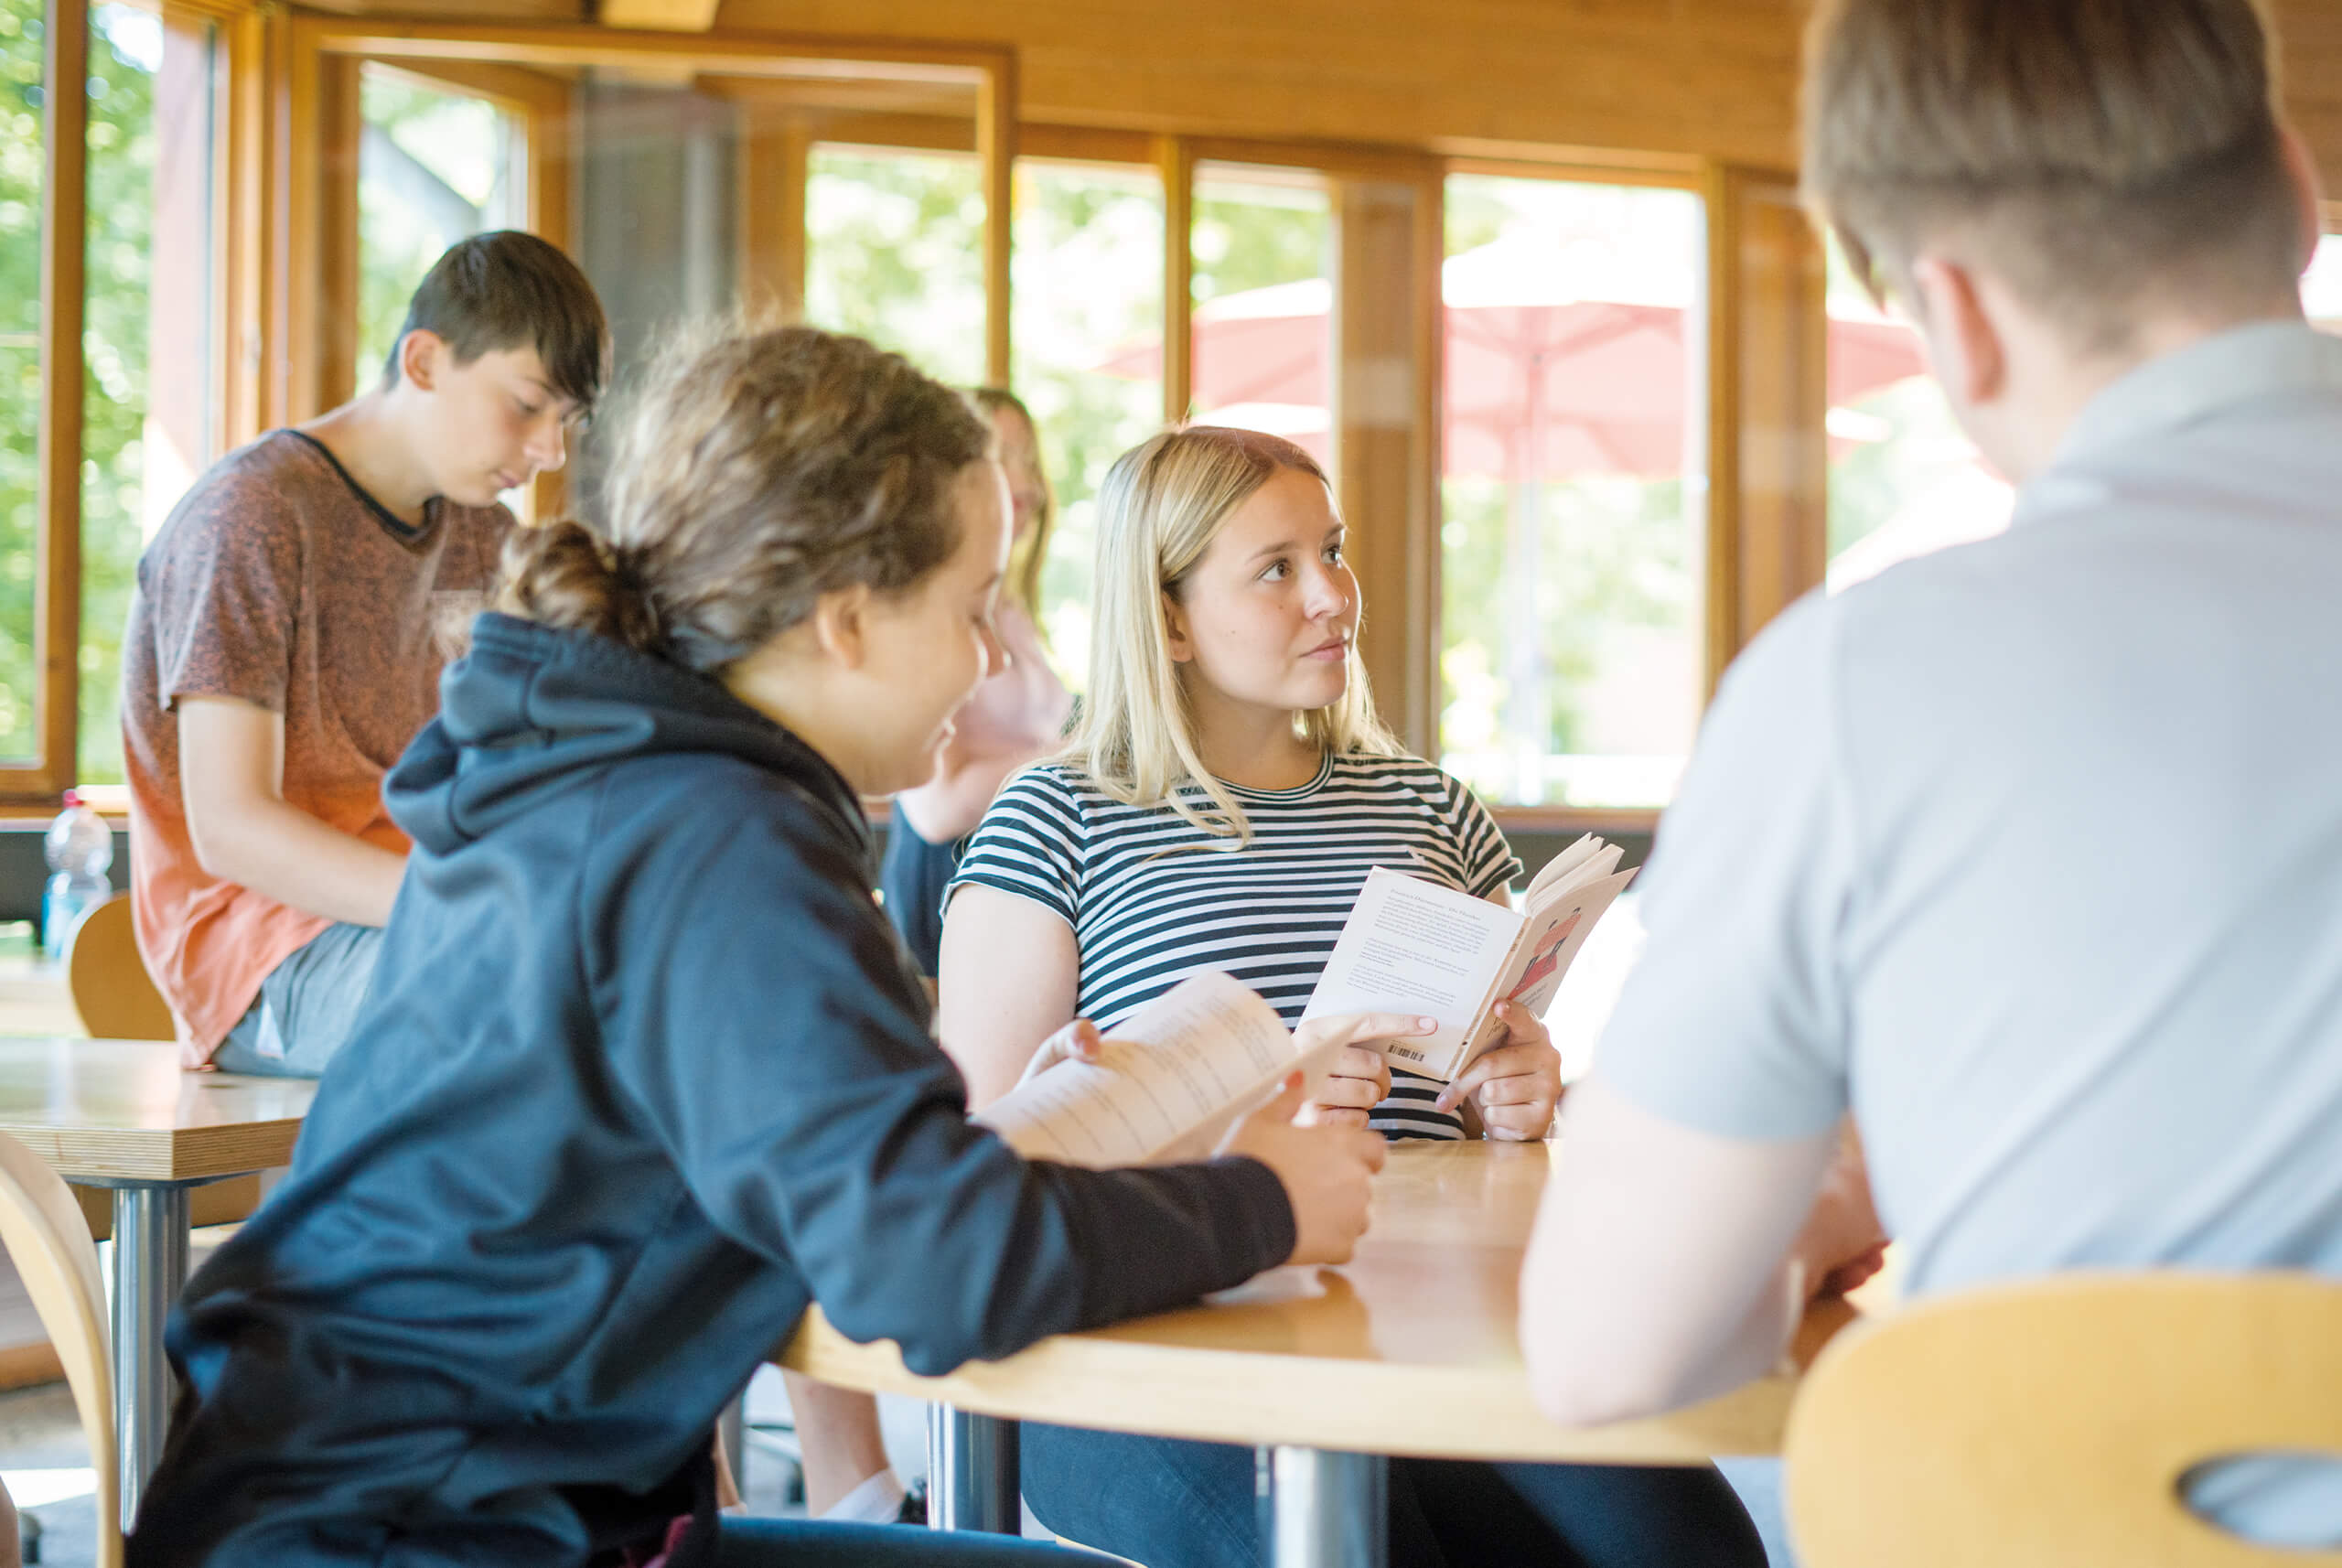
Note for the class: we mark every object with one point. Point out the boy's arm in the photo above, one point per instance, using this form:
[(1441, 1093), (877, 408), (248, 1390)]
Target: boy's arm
[(231, 784)]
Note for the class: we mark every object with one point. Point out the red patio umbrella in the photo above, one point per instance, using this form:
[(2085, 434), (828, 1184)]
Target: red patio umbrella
[(1548, 376)]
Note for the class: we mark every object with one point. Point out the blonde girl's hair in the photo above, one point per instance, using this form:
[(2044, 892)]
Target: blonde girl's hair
[(1030, 553), (1161, 506)]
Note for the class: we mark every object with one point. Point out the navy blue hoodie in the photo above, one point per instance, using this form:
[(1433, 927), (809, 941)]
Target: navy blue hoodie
[(642, 1074)]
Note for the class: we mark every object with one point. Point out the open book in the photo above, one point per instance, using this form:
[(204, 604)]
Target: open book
[(1175, 1076), (1416, 946)]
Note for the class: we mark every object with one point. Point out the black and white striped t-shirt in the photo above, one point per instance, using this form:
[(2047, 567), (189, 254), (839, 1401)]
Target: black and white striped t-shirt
[(1152, 899)]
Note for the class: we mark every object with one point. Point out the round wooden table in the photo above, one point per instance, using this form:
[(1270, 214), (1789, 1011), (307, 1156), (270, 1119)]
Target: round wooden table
[(1409, 1349), (121, 1114)]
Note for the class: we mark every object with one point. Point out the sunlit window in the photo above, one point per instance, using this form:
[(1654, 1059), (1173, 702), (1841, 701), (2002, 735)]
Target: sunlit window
[(894, 252), (1262, 244), (436, 164), (2322, 284), (1571, 551), (1088, 345), (22, 168), (150, 403), (1903, 479)]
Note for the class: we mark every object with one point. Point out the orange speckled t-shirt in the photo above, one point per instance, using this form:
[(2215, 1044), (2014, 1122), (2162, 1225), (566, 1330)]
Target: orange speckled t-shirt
[(277, 581)]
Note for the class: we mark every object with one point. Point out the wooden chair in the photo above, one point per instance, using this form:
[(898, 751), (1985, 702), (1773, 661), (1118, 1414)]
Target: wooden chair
[(117, 1001), (2049, 1423), (41, 1228), (108, 980)]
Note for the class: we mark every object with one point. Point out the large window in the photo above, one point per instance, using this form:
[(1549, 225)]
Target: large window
[(1088, 330), (436, 164), (893, 252), (1262, 244), (1572, 538), (22, 160), (150, 406), (1904, 477), (2322, 285)]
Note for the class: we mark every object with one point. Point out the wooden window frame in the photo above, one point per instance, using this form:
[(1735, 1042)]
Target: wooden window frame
[(32, 785), (318, 40)]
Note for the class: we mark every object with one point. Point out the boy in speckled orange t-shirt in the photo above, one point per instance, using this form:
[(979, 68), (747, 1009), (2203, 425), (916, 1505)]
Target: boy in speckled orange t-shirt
[(285, 639)]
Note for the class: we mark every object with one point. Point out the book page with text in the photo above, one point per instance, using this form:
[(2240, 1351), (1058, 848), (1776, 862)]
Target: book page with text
[(1413, 946), (1204, 1051)]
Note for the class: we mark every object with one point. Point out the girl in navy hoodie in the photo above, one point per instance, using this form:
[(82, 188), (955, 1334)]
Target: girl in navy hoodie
[(643, 1072)]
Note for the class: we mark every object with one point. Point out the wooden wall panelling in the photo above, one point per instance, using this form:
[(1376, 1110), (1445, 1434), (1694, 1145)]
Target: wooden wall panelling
[(1693, 76), (1386, 304), (1767, 365)]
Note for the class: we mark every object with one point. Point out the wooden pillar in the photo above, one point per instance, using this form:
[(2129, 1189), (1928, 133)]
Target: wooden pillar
[(1176, 166), (1385, 416), (1768, 493), (776, 153), (56, 606), (340, 125)]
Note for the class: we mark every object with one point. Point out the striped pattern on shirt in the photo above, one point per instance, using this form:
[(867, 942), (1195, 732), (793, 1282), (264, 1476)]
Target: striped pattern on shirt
[(1152, 899)]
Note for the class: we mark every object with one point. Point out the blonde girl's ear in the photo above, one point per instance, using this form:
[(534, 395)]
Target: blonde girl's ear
[(1175, 631)]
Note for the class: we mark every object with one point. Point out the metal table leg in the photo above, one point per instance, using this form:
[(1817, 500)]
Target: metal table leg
[(971, 1477), (150, 1231), (1320, 1510)]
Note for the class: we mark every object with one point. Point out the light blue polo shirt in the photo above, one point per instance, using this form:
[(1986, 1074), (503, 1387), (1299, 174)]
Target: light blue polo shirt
[(2030, 854)]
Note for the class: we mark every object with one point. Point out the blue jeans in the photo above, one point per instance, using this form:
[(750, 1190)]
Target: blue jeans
[(1174, 1504), (307, 1007), (804, 1544)]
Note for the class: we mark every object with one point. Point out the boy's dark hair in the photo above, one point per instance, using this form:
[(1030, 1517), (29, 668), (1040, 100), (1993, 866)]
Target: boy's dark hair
[(506, 290)]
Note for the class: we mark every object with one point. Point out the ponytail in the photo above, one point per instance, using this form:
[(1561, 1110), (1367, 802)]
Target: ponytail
[(565, 575)]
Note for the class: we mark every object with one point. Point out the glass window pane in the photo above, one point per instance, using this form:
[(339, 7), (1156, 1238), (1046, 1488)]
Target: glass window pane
[(150, 399), (1262, 248), (1088, 330), (434, 165), (2322, 284), (1572, 544), (894, 252), (22, 155), (1904, 477)]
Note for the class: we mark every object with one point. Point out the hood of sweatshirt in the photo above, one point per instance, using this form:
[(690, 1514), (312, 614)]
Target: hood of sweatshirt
[(530, 712)]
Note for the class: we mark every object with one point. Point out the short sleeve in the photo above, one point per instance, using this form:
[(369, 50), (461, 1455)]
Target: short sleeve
[(1734, 1021), (1489, 864), (1029, 843), (223, 585)]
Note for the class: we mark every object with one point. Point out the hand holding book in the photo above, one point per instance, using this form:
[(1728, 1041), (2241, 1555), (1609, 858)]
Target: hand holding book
[(1185, 1078)]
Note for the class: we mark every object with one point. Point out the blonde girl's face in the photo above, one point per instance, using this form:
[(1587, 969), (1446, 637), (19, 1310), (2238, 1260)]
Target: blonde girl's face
[(1266, 617), (1020, 456)]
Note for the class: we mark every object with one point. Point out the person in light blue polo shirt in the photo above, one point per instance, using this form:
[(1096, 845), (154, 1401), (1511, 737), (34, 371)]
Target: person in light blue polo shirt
[(2028, 855)]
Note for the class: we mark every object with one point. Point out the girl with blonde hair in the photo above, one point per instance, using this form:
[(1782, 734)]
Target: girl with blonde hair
[(1227, 790), (642, 1071)]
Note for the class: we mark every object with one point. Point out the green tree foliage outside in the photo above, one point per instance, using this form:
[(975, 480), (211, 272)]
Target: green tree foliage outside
[(20, 378), (124, 47)]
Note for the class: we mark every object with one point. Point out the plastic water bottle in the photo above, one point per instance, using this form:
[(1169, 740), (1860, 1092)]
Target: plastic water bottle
[(79, 849)]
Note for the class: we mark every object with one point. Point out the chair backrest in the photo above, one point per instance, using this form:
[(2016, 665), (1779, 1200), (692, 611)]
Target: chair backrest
[(2050, 1422), (41, 1227), (112, 990)]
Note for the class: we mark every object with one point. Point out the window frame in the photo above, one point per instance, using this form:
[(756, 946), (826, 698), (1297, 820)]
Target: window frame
[(1767, 501), (33, 785)]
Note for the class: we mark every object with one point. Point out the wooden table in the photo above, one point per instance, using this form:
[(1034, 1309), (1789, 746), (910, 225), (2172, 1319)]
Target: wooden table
[(121, 1114), (1410, 1349)]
